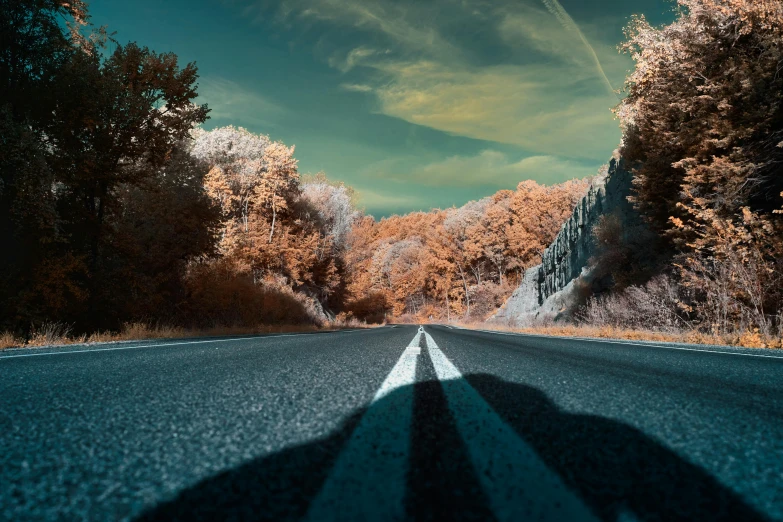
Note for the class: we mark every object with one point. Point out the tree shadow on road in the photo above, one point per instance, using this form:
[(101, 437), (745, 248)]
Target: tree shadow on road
[(615, 469)]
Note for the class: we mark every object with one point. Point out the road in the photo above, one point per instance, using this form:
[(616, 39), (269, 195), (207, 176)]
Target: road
[(391, 423)]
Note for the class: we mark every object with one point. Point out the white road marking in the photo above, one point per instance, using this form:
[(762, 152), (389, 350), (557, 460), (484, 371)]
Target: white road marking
[(65, 350), (617, 341), (369, 479), (516, 481), (612, 341)]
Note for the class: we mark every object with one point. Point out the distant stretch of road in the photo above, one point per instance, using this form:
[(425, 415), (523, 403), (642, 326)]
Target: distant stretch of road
[(392, 423)]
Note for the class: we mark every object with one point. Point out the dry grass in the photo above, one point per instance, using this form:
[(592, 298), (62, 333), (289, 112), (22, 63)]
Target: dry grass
[(8, 340), (342, 321), (50, 332), (747, 339), (58, 334)]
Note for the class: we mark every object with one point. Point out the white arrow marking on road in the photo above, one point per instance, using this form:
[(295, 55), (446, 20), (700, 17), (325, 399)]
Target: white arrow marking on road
[(369, 479), (517, 483)]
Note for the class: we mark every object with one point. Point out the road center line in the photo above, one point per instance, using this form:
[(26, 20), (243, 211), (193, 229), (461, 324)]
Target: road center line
[(416, 340), (368, 481), (516, 481)]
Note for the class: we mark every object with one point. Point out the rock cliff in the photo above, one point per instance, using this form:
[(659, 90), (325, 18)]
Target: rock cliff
[(548, 290)]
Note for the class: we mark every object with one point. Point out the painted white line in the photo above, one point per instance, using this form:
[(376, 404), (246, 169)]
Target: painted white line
[(368, 481), (617, 341), (612, 341), (64, 350), (516, 481)]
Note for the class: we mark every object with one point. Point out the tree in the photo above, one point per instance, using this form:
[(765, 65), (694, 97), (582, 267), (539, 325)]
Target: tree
[(80, 128), (273, 231), (279, 183), (33, 48), (159, 229), (702, 114), (334, 206), (116, 121), (237, 159), (703, 120)]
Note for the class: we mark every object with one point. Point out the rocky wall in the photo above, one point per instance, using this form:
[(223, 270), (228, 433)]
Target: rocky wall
[(547, 289)]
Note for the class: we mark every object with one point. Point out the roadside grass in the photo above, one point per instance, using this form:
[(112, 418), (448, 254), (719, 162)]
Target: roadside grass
[(8, 340), (58, 334), (751, 339)]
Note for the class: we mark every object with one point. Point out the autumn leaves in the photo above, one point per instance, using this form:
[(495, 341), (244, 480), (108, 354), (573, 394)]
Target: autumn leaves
[(460, 263)]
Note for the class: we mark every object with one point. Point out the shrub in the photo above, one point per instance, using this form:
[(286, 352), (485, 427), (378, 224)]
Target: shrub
[(623, 256), (372, 308), (9, 340), (49, 332), (486, 298), (658, 305), (219, 295)]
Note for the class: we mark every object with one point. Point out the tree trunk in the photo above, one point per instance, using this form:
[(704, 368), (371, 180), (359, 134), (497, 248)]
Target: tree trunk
[(467, 293), (274, 218), (245, 212)]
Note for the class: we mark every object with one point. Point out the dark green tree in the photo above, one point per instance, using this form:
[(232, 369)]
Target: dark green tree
[(83, 130)]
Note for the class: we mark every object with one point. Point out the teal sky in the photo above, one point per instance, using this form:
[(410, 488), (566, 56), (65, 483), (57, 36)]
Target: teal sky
[(416, 104)]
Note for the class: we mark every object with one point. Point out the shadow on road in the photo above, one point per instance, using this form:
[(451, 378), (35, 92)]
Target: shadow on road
[(614, 468)]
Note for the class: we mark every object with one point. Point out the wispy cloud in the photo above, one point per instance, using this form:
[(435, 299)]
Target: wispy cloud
[(233, 103), (354, 57), (396, 22), (533, 107), (554, 7), (519, 72), (549, 98), (385, 202), (490, 168), (356, 87)]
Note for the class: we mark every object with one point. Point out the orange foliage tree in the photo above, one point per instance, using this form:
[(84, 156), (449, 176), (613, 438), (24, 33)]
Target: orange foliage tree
[(274, 231), (455, 263), (703, 119)]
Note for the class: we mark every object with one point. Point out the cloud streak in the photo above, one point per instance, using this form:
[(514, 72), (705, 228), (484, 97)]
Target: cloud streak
[(513, 72), (532, 107), (554, 7), (232, 103), (385, 202), (548, 97), (489, 168)]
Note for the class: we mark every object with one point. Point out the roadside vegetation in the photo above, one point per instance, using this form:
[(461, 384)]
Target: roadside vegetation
[(117, 209), (703, 127), (122, 217), (746, 339), (59, 334), (703, 124), (703, 131)]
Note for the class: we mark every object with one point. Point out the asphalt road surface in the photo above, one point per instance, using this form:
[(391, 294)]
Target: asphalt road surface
[(393, 423)]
